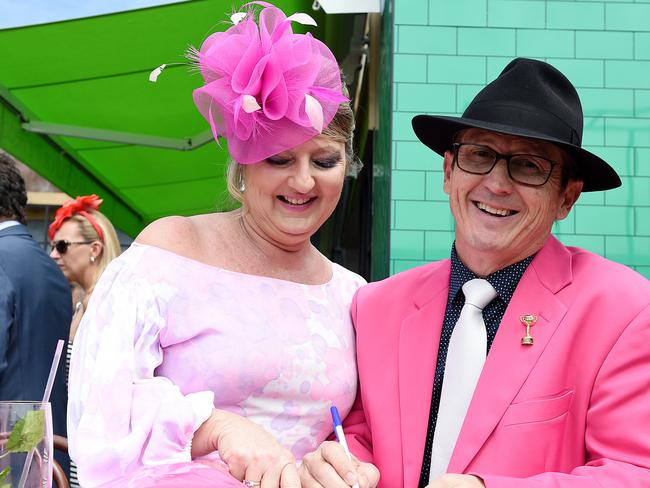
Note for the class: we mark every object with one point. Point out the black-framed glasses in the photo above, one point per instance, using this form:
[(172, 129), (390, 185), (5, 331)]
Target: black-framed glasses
[(62, 245), (527, 169)]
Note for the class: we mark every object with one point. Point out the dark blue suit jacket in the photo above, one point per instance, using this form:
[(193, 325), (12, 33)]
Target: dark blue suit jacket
[(35, 312)]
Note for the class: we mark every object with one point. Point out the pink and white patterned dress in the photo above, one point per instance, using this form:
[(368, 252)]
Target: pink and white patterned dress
[(166, 339)]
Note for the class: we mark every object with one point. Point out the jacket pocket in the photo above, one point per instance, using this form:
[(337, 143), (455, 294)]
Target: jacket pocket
[(538, 409)]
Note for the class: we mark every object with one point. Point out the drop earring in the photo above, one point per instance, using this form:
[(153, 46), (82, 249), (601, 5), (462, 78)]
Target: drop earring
[(242, 186), (92, 259)]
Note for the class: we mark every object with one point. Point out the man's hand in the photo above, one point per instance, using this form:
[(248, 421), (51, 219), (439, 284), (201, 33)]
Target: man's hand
[(329, 466), (456, 481)]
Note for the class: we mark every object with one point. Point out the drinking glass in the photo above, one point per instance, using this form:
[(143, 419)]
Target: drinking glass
[(25, 435)]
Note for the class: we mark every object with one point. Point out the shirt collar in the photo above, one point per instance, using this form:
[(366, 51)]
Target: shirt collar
[(504, 280), (8, 223)]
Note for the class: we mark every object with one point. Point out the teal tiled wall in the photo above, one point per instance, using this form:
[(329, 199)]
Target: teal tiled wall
[(444, 51)]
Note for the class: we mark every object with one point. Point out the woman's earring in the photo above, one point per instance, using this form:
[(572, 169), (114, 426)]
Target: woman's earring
[(92, 259), (242, 186)]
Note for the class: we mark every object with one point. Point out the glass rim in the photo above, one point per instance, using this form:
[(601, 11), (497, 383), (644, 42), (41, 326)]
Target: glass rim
[(24, 402), (507, 158)]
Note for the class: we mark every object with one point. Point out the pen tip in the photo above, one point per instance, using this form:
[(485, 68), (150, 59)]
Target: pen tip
[(335, 415)]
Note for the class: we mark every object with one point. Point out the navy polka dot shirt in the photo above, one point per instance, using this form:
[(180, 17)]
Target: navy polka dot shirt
[(504, 282)]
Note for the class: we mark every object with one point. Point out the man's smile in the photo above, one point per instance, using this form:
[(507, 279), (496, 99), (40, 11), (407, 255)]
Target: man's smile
[(497, 212)]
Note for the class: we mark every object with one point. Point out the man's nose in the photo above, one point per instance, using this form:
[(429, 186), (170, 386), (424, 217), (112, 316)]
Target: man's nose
[(498, 180)]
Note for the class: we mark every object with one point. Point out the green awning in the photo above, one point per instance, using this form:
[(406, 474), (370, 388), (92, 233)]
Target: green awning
[(77, 107)]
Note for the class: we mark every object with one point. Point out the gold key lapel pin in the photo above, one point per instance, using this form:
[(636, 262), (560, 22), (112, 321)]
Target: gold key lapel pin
[(528, 321)]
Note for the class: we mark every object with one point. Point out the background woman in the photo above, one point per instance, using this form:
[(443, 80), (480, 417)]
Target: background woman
[(213, 348), (83, 243)]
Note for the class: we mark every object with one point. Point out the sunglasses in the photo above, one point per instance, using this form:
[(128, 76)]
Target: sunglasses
[(61, 245)]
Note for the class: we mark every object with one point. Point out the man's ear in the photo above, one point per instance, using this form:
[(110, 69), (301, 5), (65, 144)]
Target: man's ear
[(569, 197), (447, 169)]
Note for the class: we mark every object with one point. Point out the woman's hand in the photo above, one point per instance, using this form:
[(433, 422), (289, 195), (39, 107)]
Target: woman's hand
[(250, 452), (329, 466)]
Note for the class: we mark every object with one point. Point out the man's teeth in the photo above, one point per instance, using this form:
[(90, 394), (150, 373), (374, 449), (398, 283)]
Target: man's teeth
[(297, 201), (494, 211)]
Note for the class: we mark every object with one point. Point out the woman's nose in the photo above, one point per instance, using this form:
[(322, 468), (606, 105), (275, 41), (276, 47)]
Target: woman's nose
[(302, 179)]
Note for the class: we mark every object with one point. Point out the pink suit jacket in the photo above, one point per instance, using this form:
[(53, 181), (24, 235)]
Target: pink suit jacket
[(572, 410)]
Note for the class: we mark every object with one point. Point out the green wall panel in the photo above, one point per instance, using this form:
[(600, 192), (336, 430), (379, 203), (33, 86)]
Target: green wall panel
[(565, 226), (604, 220), (642, 160), (420, 39), (410, 67), (407, 244), (456, 69), (423, 215), (516, 13), (642, 221), (642, 45), (627, 16), (411, 12), (642, 103), (433, 190), (414, 155), (602, 44), (437, 244), (627, 74), (630, 250), (572, 15), (407, 185), (604, 49), (458, 12), (583, 73), (602, 101), (484, 41), (539, 42), (413, 97)]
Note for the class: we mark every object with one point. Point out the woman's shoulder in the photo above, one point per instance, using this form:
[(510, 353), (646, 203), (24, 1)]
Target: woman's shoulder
[(176, 234), (341, 273)]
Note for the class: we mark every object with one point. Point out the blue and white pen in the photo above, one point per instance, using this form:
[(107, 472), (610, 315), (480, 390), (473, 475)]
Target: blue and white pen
[(340, 436)]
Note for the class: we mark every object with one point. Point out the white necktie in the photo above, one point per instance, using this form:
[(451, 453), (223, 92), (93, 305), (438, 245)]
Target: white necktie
[(465, 358)]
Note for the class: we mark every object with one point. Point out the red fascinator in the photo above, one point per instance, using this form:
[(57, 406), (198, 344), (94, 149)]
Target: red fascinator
[(81, 206), (266, 89)]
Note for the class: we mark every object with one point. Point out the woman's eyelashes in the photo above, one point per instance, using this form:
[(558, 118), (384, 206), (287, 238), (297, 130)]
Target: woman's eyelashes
[(328, 162), (277, 161), (322, 162)]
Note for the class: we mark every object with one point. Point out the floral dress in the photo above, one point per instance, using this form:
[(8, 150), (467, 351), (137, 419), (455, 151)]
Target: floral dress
[(166, 339)]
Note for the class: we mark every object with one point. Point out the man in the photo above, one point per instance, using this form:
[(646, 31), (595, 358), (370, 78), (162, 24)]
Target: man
[(35, 304), (562, 397)]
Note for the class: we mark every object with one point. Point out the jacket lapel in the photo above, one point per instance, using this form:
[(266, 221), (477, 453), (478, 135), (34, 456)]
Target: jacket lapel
[(509, 362), (418, 350)]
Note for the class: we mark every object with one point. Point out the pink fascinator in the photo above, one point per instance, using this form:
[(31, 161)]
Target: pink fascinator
[(266, 88)]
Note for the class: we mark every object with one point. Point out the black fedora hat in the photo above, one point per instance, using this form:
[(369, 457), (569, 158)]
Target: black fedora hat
[(532, 99)]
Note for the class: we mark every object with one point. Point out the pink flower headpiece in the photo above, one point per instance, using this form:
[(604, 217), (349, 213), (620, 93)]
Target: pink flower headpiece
[(266, 88), (81, 206)]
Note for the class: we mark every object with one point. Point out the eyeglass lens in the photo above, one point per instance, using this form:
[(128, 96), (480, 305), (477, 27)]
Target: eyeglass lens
[(528, 169), (61, 246)]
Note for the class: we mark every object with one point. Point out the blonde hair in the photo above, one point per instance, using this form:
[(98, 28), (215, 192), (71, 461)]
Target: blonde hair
[(111, 244), (341, 129)]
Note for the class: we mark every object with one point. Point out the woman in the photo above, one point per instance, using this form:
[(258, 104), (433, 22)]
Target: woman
[(83, 243), (214, 347)]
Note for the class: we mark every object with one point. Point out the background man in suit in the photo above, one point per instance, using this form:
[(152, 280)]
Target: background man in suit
[(562, 397), (35, 304)]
